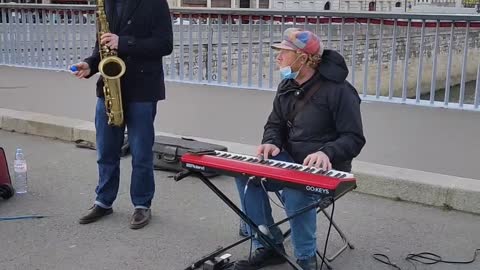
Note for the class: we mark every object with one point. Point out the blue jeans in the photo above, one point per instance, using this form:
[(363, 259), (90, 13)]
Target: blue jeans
[(256, 205), (139, 119)]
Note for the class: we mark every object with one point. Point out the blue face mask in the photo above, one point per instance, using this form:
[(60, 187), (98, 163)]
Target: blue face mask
[(286, 72)]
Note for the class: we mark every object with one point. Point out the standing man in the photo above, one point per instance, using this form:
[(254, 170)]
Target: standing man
[(141, 32), (326, 132)]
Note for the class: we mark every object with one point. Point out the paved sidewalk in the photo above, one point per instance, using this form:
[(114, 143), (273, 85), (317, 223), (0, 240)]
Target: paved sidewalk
[(420, 138), (189, 221)]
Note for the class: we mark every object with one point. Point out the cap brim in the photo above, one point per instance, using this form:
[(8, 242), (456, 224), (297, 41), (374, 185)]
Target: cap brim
[(280, 46)]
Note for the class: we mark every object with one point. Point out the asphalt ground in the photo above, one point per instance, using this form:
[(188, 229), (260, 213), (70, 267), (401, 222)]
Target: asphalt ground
[(190, 221)]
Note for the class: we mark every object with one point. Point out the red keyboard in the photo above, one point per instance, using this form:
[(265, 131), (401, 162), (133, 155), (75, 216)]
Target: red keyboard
[(310, 179)]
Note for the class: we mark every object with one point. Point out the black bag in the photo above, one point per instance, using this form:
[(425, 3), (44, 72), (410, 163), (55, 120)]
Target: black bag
[(167, 152), (6, 188)]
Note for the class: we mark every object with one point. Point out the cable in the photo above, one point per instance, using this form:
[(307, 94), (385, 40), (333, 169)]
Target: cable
[(386, 261), (437, 259), (424, 258), (270, 198), (20, 217)]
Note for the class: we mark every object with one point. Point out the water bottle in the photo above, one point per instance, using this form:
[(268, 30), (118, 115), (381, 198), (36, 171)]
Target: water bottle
[(20, 172)]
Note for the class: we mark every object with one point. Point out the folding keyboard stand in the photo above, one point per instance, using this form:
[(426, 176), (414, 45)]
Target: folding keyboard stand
[(260, 235), (345, 241)]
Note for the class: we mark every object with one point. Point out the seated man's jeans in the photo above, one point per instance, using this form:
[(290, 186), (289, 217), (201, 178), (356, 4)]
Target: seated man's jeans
[(256, 205)]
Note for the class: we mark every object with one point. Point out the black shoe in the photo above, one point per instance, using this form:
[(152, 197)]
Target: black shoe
[(261, 257), (96, 212), (140, 218), (309, 264)]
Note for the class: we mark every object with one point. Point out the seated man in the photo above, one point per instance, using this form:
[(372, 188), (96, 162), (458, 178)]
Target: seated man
[(326, 132)]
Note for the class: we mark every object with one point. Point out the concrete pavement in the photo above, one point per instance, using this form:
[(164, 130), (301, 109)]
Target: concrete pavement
[(189, 111), (387, 181), (427, 139), (189, 221)]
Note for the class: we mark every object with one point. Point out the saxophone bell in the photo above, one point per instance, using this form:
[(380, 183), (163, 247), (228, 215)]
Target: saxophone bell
[(112, 67)]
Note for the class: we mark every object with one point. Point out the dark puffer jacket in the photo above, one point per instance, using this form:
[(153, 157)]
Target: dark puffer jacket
[(330, 122)]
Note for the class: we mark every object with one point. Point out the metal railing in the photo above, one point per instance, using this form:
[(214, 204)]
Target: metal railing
[(423, 59)]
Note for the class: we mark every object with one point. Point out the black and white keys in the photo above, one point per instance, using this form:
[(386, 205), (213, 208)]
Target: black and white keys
[(282, 164)]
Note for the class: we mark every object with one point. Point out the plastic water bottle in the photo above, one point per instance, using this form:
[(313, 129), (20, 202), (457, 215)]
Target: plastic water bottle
[(20, 172)]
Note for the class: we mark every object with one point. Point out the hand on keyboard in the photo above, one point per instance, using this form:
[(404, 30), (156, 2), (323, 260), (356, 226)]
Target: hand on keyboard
[(265, 150), (318, 160)]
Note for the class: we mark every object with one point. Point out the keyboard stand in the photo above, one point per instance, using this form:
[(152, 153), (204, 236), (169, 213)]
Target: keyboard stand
[(322, 204), (344, 239)]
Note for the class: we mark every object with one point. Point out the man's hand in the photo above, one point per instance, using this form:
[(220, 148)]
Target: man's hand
[(109, 39), (267, 149), (318, 160), (82, 70)]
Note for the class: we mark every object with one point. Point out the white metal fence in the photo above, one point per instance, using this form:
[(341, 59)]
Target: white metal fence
[(423, 59)]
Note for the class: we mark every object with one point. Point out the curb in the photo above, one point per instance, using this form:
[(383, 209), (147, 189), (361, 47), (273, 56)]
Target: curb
[(438, 190)]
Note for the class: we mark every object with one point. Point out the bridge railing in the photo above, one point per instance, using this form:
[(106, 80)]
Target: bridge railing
[(424, 59)]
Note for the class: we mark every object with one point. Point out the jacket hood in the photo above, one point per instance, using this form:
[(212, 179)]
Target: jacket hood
[(333, 67)]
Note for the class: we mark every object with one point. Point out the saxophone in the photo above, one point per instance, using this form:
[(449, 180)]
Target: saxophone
[(111, 67)]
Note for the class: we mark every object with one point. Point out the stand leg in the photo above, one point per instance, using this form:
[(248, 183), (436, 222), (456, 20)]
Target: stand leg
[(346, 243), (288, 232), (325, 260), (262, 237)]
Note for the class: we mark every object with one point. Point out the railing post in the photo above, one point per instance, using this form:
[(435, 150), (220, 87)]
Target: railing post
[(33, 35)]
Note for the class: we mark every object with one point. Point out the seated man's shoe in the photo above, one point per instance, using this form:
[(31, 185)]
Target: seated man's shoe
[(261, 257), (308, 264), (95, 213), (140, 218)]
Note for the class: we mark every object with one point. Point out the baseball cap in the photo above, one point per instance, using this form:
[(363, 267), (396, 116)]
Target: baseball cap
[(302, 40)]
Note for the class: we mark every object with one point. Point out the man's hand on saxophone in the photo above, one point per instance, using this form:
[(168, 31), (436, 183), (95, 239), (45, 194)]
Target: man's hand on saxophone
[(81, 70), (109, 39)]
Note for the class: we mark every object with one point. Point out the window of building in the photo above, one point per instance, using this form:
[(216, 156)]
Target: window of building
[(263, 4), (327, 6), (244, 4)]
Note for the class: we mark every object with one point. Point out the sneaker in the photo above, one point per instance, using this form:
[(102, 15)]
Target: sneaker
[(308, 264), (261, 257), (95, 213)]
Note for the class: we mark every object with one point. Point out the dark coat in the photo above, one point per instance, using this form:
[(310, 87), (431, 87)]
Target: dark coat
[(330, 122), (145, 36)]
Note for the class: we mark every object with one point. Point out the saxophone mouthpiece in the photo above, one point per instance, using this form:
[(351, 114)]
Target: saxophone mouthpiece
[(73, 68)]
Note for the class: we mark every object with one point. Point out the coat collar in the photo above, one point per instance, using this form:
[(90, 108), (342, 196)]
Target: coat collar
[(129, 7)]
